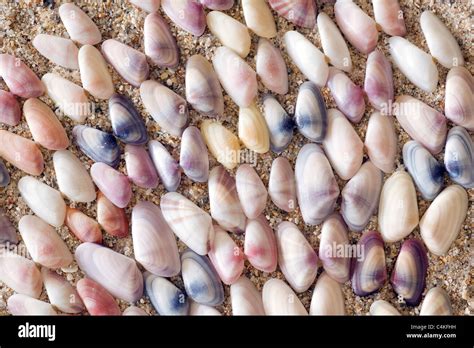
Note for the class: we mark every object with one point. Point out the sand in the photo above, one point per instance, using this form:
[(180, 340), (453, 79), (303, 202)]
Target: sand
[(122, 21)]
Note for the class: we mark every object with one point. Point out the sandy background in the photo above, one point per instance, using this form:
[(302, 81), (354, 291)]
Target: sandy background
[(20, 22)]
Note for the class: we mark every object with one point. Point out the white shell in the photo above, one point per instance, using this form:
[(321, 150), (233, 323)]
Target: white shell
[(148, 6), (296, 258), (154, 244), (282, 185), (224, 202), (253, 130), (45, 201), (398, 207), (259, 18), (307, 57), (237, 78), (117, 273), (193, 157), (222, 143), (19, 304), (20, 274), (95, 75), (381, 142), (166, 166), (203, 90), (382, 307), (271, 67), (78, 25), (279, 299), (252, 193), (388, 15), (422, 122), (200, 309), (69, 97), (134, 310), (458, 103), (61, 293), (166, 107), (333, 43), (436, 302), (328, 298), (190, 223), (415, 64), (442, 44), (43, 243), (73, 178), (245, 298), (230, 32), (358, 27), (57, 49), (342, 145), (443, 219)]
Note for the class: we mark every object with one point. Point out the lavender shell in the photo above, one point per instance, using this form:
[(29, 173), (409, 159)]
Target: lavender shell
[(160, 45), (127, 124), (378, 83), (310, 112), (409, 273), (459, 157), (194, 158), (165, 296), (97, 145), (130, 63), (200, 279), (317, 194), (369, 273), (166, 166), (425, 170), (140, 168), (348, 96)]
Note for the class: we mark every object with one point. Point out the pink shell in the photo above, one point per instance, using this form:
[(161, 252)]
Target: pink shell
[(19, 78), (10, 112), (96, 299), (113, 184)]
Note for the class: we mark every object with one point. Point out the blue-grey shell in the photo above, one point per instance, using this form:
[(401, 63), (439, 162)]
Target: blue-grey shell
[(279, 123), (425, 170), (4, 175), (205, 288), (459, 157), (127, 124), (165, 296), (310, 112), (97, 145)]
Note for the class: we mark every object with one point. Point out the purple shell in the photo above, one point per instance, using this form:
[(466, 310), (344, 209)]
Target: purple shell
[(369, 272), (407, 282)]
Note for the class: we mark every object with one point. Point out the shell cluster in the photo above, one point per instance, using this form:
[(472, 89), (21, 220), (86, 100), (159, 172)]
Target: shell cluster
[(185, 254)]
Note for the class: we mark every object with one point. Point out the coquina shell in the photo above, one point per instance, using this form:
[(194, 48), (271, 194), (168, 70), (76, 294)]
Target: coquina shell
[(398, 207)]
